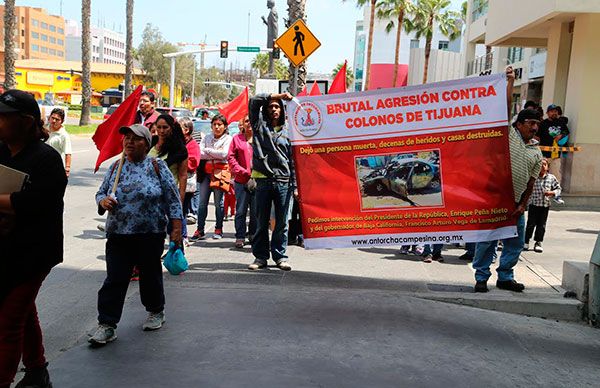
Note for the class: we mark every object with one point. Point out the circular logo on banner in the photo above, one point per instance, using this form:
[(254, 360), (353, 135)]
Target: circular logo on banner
[(308, 119)]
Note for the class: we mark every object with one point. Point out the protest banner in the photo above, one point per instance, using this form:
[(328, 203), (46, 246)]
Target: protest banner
[(414, 165)]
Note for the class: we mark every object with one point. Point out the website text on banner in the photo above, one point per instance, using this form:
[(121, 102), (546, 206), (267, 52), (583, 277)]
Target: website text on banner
[(424, 164)]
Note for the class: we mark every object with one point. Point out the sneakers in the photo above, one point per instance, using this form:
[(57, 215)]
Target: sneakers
[(35, 378), (256, 265), (526, 246), (101, 227), (416, 250), (481, 287), (218, 234), (427, 258), (537, 247), (438, 257), (466, 257), (190, 219), (198, 235), (510, 285), (239, 243), (154, 321), (103, 335), (284, 266)]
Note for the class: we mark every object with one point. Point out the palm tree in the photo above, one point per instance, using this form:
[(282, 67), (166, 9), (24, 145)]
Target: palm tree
[(296, 11), (428, 15), (129, 49), (261, 64), (373, 4), (9, 44), (86, 58), (349, 74), (390, 10)]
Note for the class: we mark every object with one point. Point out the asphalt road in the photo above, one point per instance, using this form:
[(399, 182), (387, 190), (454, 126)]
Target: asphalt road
[(346, 321)]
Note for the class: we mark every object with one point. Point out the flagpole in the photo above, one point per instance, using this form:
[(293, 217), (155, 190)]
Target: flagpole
[(114, 188)]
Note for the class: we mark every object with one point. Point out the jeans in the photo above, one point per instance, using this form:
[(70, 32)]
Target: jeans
[(279, 193), (437, 249), (123, 252), (20, 332), (512, 247), (195, 200), (470, 249), (243, 200), (205, 190), (536, 219)]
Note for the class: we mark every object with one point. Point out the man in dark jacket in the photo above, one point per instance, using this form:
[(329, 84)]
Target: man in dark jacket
[(273, 171), (552, 129)]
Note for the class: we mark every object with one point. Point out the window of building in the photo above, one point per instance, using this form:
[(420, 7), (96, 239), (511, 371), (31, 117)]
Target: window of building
[(59, 53), (44, 37), (443, 45), (44, 49), (44, 25), (35, 23), (22, 32), (414, 43), (60, 42), (52, 40), (61, 31), (52, 52), (23, 46), (480, 8), (52, 28), (515, 54), (23, 19), (35, 35), (35, 47)]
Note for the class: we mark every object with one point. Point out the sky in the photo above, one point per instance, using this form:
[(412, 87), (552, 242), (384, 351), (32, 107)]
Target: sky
[(193, 21)]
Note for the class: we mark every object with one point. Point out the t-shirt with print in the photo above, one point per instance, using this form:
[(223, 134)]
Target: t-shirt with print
[(548, 130)]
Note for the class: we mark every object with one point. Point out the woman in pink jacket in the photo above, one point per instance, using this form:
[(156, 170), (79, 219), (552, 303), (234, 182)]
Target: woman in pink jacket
[(240, 164)]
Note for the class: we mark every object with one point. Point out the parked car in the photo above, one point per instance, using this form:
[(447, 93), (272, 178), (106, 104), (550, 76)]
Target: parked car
[(175, 112), (211, 112), (402, 177), (201, 129), (111, 109)]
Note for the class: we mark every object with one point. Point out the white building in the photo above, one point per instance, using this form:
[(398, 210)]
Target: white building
[(107, 46), (384, 48), (560, 67)]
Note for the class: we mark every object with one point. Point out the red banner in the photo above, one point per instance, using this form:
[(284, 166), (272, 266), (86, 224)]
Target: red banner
[(425, 164)]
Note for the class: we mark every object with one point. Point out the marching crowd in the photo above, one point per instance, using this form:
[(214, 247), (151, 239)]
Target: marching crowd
[(164, 181)]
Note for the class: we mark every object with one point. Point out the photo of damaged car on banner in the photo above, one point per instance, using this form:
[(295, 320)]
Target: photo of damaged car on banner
[(413, 165)]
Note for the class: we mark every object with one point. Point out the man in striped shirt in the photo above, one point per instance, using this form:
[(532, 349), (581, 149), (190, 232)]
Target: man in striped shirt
[(526, 162)]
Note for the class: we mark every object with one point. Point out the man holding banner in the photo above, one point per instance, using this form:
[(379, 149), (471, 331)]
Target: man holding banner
[(526, 162)]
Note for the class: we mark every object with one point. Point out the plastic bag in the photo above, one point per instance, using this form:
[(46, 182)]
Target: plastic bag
[(175, 261)]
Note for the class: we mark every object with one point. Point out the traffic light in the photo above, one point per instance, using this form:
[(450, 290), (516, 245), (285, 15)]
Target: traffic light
[(275, 52), (224, 49)]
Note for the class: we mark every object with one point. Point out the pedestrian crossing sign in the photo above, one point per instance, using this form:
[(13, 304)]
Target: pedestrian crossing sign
[(298, 43)]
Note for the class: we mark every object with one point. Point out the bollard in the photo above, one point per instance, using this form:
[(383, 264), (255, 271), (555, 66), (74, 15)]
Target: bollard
[(594, 295)]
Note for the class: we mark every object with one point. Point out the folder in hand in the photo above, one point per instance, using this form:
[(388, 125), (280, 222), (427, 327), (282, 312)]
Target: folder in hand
[(11, 180)]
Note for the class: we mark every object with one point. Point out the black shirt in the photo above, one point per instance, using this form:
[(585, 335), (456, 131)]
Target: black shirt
[(33, 242), (548, 130)]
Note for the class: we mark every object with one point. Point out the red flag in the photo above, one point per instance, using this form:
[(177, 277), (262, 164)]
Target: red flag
[(315, 91), (339, 82), (236, 109), (302, 92), (107, 138)]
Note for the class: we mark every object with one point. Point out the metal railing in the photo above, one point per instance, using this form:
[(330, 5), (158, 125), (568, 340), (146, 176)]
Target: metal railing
[(480, 64)]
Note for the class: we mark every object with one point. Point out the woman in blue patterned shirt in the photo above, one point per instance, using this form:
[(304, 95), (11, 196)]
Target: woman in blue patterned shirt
[(146, 199)]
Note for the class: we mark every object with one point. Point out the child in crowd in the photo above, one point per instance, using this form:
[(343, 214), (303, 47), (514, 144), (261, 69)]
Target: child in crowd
[(545, 188), (229, 204)]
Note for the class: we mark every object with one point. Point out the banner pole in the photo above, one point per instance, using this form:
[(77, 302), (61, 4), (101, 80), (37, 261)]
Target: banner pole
[(114, 188)]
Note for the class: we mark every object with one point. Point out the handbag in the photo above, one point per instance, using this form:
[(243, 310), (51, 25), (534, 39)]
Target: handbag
[(190, 184), (220, 179), (175, 261)]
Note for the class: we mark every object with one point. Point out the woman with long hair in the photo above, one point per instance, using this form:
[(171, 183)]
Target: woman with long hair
[(213, 151), (23, 265), (193, 149)]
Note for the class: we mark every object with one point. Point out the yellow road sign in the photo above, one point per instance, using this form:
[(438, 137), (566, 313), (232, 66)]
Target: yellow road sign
[(298, 42)]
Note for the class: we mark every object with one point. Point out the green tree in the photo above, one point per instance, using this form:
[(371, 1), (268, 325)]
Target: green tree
[(428, 15), (261, 64), (373, 5), (213, 93), (9, 44), (297, 11), (86, 62), (349, 74), (129, 48), (395, 11)]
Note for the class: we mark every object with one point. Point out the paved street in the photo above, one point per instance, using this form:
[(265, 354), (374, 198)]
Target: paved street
[(340, 318)]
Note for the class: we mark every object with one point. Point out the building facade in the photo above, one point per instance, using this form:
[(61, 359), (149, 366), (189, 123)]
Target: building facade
[(39, 35), (107, 46), (559, 65)]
